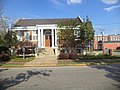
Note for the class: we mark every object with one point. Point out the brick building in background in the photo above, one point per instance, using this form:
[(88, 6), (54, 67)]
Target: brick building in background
[(107, 42)]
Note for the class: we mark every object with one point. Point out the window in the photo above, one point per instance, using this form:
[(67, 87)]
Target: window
[(26, 35), (110, 38), (35, 32), (116, 39), (34, 35), (19, 35), (77, 33)]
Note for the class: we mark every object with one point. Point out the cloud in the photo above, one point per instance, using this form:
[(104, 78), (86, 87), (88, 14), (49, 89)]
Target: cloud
[(74, 2), (109, 1), (112, 8), (56, 2)]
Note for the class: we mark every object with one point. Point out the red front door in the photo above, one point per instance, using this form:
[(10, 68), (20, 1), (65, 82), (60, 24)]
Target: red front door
[(47, 40)]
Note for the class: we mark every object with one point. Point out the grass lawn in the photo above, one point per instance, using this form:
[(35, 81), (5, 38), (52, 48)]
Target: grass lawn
[(16, 62), (100, 56), (91, 60), (117, 51), (88, 62)]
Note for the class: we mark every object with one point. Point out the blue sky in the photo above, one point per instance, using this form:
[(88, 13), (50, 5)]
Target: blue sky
[(105, 14)]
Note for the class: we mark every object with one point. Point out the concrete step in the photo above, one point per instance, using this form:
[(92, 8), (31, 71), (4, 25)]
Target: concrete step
[(46, 57), (46, 51)]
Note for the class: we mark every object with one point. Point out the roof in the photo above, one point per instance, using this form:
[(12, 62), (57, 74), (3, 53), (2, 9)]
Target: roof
[(33, 22)]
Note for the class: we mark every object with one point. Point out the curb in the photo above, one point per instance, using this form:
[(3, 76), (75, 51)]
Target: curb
[(59, 65)]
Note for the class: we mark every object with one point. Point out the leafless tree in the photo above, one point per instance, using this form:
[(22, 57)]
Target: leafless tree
[(3, 24)]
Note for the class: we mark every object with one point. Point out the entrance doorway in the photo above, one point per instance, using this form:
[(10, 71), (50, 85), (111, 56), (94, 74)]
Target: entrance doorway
[(48, 40)]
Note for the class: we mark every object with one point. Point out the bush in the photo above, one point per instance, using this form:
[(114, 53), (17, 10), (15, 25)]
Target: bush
[(27, 51), (4, 57), (73, 56), (4, 50), (63, 56), (19, 51), (118, 48)]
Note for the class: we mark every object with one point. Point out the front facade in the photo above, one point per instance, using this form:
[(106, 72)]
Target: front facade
[(41, 33), (107, 42)]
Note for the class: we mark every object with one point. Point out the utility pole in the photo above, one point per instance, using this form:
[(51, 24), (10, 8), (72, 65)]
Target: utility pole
[(97, 41), (102, 43), (102, 39)]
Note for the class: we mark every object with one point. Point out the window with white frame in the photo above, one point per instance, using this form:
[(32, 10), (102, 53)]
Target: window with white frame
[(116, 39), (77, 33), (34, 35), (98, 38), (19, 35), (110, 38), (26, 35)]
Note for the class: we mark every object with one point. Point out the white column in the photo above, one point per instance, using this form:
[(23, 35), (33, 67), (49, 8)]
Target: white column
[(55, 38), (52, 37), (56, 52), (42, 41), (39, 38)]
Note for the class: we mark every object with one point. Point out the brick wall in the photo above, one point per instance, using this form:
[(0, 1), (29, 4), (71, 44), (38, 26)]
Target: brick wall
[(114, 41), (111, 45)]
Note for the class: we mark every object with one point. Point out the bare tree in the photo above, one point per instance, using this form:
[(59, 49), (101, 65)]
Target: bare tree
[(1, 7), (3, 20)]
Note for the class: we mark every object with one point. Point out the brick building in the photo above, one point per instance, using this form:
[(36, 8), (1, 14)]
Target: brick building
[(41, 33), (107, 41)]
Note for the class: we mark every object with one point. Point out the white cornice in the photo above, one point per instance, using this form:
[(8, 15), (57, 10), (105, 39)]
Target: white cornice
[(25, 28), (49, 26)]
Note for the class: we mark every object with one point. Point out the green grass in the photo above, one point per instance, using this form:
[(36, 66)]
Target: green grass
[(116, 50), (20, 59), (100, 56), (16, 61), (91, 60), (88, 62)]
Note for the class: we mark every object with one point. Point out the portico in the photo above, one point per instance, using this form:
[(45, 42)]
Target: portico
[(47, 36)]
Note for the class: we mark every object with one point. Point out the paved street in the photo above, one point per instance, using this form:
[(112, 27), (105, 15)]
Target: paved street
[(61, 78)]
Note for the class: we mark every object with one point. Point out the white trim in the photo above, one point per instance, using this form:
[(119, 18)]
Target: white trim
[(80, 18), (39, 34), (52, 37), (25, 28), (25, 35), (52, 26), (55, 37), (42, 41), (36, 35)]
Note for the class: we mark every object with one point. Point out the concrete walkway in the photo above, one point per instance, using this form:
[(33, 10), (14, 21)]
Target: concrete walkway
[(45, 58), (48, 60)]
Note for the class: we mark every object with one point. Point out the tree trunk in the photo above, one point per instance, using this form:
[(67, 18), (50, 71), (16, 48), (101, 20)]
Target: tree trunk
[(89, 47)]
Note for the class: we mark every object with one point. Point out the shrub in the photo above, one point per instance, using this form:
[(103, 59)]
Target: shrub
[(19, 51), (4, 57), (118, 48), (27, 51), (73, 56), (4, 50), (63, 56)]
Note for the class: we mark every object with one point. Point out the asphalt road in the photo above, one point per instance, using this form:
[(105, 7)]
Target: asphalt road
[(105, 77)]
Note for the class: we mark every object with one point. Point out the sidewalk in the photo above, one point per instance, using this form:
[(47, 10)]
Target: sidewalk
[(44, 60)]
